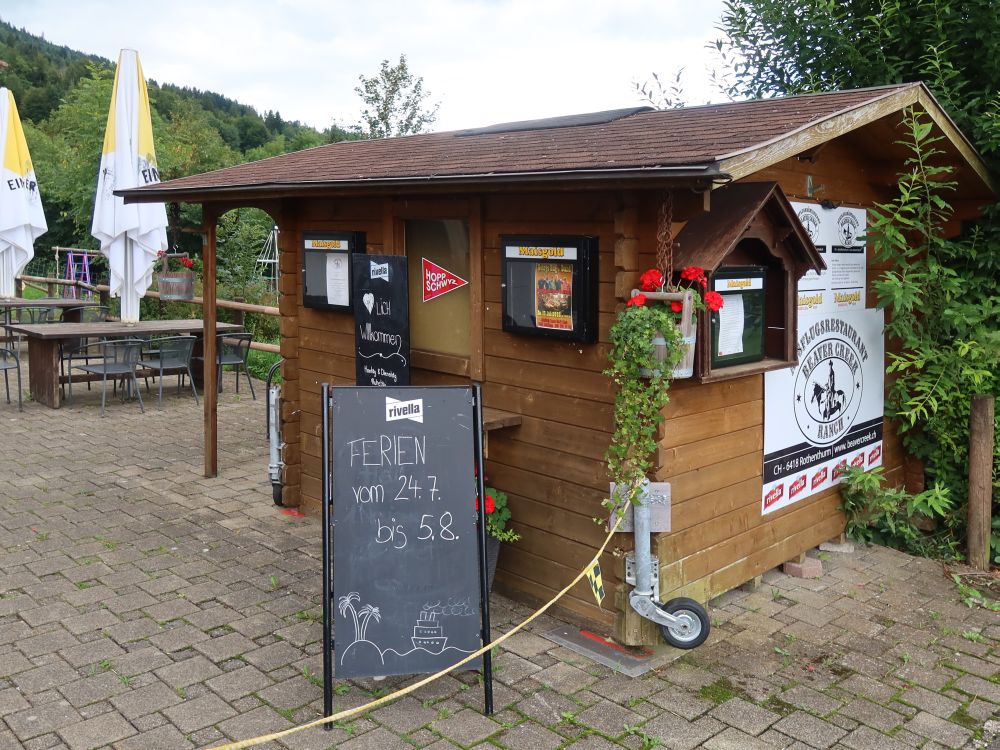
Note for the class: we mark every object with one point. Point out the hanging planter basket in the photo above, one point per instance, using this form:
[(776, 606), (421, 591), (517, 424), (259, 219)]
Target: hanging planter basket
[(688, 328), (175, 285)]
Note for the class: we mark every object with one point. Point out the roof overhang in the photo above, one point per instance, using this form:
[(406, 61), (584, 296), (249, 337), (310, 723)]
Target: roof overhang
[(740, 164), (695, 175)]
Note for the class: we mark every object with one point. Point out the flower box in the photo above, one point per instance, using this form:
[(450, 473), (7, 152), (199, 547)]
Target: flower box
[(175, 285)]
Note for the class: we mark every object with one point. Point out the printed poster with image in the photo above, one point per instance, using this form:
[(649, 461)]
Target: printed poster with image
[(827, 412), (554, 296), (835, 232)]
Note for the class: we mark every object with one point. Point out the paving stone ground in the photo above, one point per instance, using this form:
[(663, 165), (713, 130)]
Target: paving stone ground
[(143, 606)]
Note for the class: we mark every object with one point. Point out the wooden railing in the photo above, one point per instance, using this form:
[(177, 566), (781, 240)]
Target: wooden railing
[(104, 291)]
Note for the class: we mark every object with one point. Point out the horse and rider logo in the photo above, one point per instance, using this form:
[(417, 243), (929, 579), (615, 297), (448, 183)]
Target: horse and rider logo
[(828, 389)]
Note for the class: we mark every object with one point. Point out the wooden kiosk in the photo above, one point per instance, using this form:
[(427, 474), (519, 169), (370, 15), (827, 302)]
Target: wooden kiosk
[(570, 206)]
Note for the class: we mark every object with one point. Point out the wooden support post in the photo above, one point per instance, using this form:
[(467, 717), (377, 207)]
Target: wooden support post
[(980, 480), (18, 287), (210, 313)]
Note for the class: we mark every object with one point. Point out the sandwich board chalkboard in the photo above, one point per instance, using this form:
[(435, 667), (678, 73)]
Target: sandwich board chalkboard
[(381, 320), (408, 591)]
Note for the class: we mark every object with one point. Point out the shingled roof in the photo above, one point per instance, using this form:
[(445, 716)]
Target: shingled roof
[(713, 142)]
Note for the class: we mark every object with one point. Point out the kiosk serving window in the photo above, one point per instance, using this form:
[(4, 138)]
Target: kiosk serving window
[(550, 286), (738, 328), (326, 268)]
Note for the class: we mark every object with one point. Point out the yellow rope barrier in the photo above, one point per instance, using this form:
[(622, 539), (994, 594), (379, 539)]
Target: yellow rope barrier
[(351, 712)]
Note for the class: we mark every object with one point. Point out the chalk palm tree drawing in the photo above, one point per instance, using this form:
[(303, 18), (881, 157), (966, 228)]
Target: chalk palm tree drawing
[(368, 612), (346, 604)]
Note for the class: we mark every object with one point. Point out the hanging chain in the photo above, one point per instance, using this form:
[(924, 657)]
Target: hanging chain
[(664, 238)]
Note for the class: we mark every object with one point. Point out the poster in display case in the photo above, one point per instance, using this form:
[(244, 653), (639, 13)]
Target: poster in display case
[(326, 268), (550, 286)]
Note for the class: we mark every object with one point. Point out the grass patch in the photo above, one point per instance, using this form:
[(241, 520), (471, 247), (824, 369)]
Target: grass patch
[(719, 691)]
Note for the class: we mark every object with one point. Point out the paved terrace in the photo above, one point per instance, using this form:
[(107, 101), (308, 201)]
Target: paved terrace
[(145, 607)]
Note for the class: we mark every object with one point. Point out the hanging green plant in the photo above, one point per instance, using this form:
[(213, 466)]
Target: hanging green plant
[(642, 370)]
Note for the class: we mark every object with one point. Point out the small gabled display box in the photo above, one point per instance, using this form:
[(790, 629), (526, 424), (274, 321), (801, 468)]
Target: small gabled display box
[(754, 251)]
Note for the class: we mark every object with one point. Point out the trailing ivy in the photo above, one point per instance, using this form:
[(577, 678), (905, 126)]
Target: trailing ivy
[(941, 324)]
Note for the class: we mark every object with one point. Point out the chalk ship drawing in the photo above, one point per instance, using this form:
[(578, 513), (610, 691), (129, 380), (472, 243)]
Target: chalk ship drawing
[(428, 633)]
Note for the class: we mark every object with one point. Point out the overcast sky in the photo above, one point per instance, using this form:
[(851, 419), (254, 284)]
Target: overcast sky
[(485, 62)]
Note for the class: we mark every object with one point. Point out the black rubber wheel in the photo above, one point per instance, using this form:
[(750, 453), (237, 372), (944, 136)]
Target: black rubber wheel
[(276, 495), (693, 628)]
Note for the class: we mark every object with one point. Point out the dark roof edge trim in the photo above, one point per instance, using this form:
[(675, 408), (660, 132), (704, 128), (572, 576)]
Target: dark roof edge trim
[(153, 194)]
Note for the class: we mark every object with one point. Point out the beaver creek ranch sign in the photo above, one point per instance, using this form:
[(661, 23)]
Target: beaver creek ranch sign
[(827, 412)]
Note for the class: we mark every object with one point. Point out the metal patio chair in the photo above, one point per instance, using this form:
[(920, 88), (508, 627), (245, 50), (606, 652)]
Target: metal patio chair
[(170, 355), (234, 349), (10, 361), (87, 314), (118, 359)]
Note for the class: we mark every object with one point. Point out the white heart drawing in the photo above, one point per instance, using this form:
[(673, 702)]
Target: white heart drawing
[(369, 300)]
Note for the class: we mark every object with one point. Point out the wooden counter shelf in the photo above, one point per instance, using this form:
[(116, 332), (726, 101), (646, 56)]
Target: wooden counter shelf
[(495, 419)]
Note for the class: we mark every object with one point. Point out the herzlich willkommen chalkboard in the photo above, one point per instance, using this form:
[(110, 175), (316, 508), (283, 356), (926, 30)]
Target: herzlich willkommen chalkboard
[(406, 556), (381, 320)]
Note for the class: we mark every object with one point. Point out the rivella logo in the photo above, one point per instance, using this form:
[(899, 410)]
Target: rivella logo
[(797, 486), (397, 410), (774, 495), (379, 270)]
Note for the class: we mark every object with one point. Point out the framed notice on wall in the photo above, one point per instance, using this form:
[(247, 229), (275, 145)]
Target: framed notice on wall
[(326, 268), (550, 286)]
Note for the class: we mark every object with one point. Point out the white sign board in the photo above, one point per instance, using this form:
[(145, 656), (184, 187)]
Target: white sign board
[(827, 412), (835, 233)]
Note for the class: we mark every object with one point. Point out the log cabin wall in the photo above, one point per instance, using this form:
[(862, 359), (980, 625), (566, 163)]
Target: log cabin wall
[(712, 444), (551, 465)]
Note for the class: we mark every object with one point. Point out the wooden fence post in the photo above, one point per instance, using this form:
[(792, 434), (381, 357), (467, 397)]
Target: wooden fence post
[(980, 480)]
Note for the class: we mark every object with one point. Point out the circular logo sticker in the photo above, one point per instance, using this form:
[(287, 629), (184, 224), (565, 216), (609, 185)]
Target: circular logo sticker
[(828, 389)]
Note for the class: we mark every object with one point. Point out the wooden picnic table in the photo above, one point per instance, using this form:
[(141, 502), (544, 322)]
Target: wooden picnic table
[(44, 340), (63, 303)]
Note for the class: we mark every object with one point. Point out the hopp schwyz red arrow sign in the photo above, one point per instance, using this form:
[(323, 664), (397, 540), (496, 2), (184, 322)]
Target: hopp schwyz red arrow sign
[(438, 281)]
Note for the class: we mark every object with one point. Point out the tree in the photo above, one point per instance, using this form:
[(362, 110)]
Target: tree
[(394, 102), (779, 47), (776, 47)]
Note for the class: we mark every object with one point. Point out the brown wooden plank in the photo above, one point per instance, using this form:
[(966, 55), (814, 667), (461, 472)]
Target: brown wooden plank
[(558, 495), (700, 426), (691, 456), (565, 466), (568, 608), (591, 357), (690, 397), (708, 560), (210, 395), (549, 378), (692, 484), (579, 441), (477, 360), (549, 406)]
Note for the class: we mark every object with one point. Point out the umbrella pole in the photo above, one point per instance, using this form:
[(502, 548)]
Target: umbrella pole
[(130, 305)]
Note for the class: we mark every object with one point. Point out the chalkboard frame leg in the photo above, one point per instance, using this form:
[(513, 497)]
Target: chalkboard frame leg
[(327, 560), (484, 595)]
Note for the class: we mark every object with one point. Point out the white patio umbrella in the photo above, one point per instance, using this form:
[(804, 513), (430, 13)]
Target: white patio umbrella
[(130, 235), (22, 220)]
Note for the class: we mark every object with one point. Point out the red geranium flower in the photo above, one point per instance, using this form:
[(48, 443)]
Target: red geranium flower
[(713, 301), (490, 504), (704, 282), (651, 280), (186, 262), (693, 273), (637, 301), (676, 306)]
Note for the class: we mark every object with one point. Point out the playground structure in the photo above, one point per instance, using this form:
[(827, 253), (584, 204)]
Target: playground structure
[(267, 261), (77, 268)]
